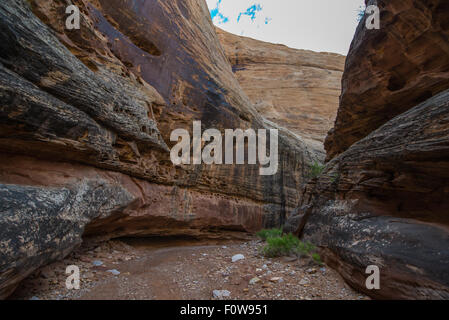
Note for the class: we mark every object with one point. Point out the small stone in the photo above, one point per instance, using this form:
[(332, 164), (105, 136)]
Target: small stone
[(97, 263), (290, 259), (254, 280), (277, 279), (85, 259), (220, 294), (238, 257), (114, 272), (303, 282), (34, 298), (311, 270)]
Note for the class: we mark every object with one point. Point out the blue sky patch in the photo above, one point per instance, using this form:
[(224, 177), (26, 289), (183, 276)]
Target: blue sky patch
[(215, 13), (251, 12), (219, 18)]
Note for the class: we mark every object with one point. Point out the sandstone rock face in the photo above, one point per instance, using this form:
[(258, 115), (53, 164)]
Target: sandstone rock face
[(86, 117), (297, 89), (391, 70), (383, 200)]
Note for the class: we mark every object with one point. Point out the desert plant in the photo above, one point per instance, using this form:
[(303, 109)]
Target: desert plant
[(316, 169), (269, 233), (316, 258), (335, 178), (305, 248), (280, 246)]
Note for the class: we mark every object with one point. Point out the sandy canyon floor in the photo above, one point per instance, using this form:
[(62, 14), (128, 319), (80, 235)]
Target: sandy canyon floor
[(180, 269)]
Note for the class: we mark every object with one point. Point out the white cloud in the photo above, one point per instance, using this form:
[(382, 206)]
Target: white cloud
[(319, 25)]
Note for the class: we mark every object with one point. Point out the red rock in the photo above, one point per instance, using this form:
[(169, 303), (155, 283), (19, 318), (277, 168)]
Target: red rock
[(86, 121), (393, 69), (297, 89)]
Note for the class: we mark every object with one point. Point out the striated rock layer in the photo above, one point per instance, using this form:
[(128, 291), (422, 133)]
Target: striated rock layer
[(391, 70), (297, 89), (384, 200), (85, 123)]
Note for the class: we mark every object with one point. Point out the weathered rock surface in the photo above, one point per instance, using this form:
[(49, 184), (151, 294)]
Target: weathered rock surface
[(298, 89), (86, 117), (393, 69), (384, 202), (42, 224), (382, 198)]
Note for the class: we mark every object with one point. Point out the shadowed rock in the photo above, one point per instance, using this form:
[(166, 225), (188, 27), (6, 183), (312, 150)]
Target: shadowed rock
[(384, 202), (39, 224), (393, 69)]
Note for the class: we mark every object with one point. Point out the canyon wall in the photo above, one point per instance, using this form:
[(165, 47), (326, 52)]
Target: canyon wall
[(383, 197), (86, 117), (391, 70), (297, 89)]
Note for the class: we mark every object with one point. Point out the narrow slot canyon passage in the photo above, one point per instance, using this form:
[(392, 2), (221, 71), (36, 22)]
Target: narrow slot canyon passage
[(178, 268)]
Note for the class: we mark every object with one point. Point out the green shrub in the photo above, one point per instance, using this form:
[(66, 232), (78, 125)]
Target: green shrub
[(279, 245), (316, 169), (269, 233), (305, 248), (316, 257)]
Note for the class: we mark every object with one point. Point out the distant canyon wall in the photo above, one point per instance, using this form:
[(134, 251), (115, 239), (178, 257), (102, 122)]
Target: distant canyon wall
[(297, 89)]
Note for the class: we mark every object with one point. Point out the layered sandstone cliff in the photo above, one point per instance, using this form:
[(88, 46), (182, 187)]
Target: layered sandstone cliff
[(393, 69), (86, 117), (297, 89), (383, 198)]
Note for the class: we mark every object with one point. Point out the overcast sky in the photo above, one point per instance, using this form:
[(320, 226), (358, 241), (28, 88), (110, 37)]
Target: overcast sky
[(318, 25)]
